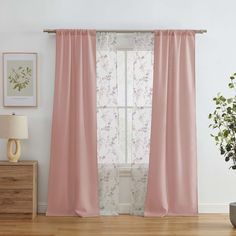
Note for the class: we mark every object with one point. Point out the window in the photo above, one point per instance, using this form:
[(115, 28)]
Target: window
[(131, 100), (125, 97)]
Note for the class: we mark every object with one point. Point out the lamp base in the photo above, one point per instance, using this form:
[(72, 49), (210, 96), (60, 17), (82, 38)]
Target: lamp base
[(13, 157)]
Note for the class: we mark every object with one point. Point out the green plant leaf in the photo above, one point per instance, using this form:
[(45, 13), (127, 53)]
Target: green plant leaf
[(222, 151), (228, 147), (225, 133)]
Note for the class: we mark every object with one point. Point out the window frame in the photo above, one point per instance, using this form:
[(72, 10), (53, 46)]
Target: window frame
[(126, 165)]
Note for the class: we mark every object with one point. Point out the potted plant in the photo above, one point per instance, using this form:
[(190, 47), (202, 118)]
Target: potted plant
[(223, 124)]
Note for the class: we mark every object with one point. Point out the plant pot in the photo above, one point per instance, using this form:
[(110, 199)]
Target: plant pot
[(232, 213)]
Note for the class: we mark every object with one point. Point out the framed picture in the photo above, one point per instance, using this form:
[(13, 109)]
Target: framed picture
[(20, 79)]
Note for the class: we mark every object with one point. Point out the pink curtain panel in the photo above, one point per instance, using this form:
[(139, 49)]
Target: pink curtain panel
[(73, 180), (172, 178)]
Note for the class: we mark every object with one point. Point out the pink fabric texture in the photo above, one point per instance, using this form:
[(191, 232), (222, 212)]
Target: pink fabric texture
[(172, 178), (73, 188)]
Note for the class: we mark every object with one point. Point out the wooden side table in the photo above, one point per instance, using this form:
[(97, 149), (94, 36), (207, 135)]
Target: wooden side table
[(18, 189)]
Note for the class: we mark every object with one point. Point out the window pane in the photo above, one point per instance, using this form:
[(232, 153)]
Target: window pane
[(141, 124), (129, 135), (106, 78), (140, 77), (107, 135), (130, 77), (122, 136), (121, 71)]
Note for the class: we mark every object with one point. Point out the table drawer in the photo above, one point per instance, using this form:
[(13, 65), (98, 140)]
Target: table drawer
[(16, 177), (16, 201)]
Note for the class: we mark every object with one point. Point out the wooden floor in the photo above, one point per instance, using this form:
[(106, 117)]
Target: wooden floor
[(205, 224)]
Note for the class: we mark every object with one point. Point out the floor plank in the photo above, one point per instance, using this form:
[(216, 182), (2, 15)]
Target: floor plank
[(204, 224)]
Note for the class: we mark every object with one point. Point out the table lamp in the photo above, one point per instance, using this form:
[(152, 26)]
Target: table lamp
[(13, 127)]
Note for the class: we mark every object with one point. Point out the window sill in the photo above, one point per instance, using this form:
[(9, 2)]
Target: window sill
[(125, 171)]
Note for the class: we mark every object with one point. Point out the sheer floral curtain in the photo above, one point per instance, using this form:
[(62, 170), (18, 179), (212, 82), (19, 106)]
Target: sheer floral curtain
[(107, 123), (124, 99), (141, 69)]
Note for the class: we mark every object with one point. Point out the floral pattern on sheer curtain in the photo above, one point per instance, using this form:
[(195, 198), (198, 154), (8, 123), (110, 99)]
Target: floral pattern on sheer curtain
[(107, 123), (139, 72), (142, 71)]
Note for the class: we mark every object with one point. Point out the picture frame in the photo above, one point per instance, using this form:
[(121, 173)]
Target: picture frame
[(20, 79)]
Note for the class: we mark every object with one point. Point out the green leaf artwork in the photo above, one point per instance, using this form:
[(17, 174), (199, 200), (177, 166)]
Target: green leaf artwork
[(20, 77), (223, 124)]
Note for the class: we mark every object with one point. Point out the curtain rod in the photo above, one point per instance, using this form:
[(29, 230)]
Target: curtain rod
[(51, 31)]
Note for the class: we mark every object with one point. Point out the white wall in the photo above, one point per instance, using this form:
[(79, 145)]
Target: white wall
[(21, 25)]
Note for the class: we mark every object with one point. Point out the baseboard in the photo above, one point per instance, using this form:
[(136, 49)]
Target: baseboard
[(202, 208), (124, 208), (213, 208), (42, 207)]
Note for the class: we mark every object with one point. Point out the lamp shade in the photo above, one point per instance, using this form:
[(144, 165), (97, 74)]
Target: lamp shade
[(13, 126)]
